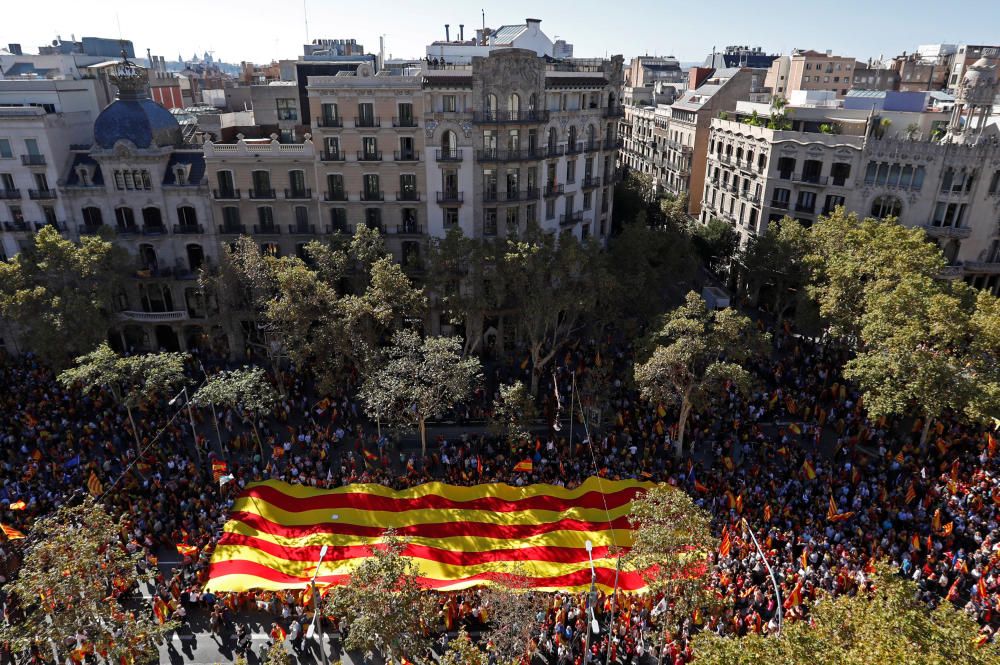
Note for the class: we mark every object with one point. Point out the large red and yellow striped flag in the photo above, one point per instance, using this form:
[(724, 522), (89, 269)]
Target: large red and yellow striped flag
[(458, 537)]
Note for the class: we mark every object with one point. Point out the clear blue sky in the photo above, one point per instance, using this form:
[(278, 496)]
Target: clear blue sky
[(260, 30)]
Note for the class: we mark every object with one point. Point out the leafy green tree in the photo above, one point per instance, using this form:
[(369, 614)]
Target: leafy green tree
[(75, 567), (276, 654), (383, 605), (672, 542), (696, 351), (512, 608), (328, 313), (131, 379), (58, 295), (643, 262), (418, 379), (923, 345), (631, 198), (465, 277), (886, 624), (776, 260), (248, 389), (716, 243), (513, 413), (552, 285), (854, 260), (463, 651)]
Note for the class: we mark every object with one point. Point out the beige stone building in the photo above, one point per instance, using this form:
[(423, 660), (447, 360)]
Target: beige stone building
[(670, 142), (948, 184), (485, 147), (810, 70)]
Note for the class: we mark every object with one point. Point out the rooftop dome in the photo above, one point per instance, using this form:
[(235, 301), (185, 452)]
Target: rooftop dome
[(133, 115), (982, 72)]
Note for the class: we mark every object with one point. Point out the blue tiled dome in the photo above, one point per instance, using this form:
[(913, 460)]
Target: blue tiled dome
[(142, 121)]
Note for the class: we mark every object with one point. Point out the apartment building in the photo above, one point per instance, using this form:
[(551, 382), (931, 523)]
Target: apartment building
[(670, 142), (893, 163), (509, 138), (39, 121), (810, 70)]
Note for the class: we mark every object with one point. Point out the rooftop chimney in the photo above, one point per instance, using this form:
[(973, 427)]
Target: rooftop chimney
[(447, 32), (461, 32), (533, 24)]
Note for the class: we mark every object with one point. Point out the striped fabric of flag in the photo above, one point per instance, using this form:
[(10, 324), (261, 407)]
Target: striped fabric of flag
[(458, 537)]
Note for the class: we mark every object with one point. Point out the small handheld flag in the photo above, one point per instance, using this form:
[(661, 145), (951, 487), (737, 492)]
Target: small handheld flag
[(525, 466), (94, 485)]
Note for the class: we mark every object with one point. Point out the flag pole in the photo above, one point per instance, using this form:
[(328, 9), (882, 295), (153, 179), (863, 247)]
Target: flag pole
[(774, 581)]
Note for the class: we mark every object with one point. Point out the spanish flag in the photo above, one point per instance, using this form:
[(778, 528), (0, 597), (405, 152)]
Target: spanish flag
[(767, 512), (915, 542), (936, 520), (278, 634), (991, 444), (524, 466), (808, 469), (187, 550), (794, 427), (11, 532), (795, 597), (946, 530), (981, 587), (369, 455), (160, 610), (94, 485), (18, 505), (457, 537)]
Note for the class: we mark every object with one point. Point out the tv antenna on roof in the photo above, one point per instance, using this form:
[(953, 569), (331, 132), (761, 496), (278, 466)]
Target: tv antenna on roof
[(305, 16)]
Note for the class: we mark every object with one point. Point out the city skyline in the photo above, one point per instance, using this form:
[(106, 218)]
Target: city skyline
[(886, 29)]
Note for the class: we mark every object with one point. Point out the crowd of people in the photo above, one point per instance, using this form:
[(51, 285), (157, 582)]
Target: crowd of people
[(826, 489)]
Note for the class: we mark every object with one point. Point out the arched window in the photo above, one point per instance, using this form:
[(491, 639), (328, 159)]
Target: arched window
[(449, 145), (591, 139), (572, 139), (152, 220), (195, 257), (514, 104), (532, 102), (147, 257), (552, 140), (491, 106), (886, 206), (92, 218), (187, 218), (125, 220)]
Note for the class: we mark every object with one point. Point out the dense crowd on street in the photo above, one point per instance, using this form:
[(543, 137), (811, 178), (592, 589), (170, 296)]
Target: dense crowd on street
[(826, 490)]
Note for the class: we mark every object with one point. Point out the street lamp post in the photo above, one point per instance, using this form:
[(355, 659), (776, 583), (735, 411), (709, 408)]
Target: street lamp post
[(774, 581), (194, 432), (317, 619), (215, 418), (591, 601)]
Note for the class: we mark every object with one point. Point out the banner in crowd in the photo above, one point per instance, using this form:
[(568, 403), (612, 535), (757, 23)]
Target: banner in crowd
[(458, 537)]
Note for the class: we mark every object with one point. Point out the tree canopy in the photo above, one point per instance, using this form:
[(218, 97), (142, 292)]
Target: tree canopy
[(694, 352), (382, 605), (131, 379), (58, 294), (75, 570), (418, 379), (886, 624)]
